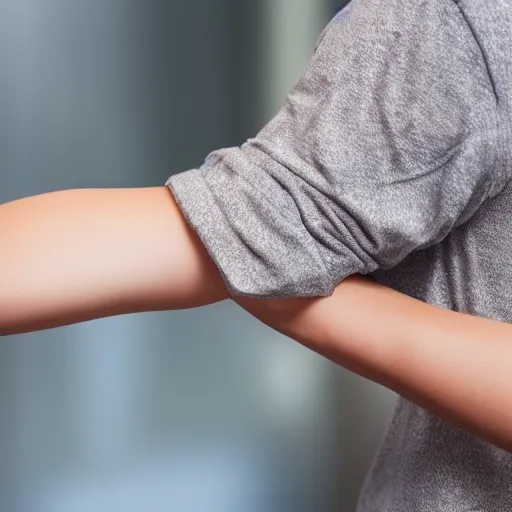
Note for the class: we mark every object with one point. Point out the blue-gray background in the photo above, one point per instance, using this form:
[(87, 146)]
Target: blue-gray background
[(187, 411)]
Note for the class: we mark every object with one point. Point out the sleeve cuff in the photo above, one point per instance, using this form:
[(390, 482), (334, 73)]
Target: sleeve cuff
[(255, 256)]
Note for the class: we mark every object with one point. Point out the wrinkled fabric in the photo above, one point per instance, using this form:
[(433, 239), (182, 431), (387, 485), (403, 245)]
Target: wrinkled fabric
[(392, 157)]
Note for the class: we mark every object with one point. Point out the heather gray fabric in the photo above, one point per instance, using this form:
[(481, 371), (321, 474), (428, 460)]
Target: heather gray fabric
[(392, 156)]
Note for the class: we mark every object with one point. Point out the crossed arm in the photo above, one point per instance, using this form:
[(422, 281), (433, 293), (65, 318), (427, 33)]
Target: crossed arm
[(77, 255)]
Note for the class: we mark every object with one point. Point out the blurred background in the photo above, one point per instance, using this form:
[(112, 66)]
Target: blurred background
[(205, 410)]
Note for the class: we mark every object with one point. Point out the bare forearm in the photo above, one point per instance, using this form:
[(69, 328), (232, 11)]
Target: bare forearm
[(457, 366), (76, 255)]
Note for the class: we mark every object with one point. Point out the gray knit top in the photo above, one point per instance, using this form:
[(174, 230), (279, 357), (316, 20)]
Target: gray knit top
[(391, 156)]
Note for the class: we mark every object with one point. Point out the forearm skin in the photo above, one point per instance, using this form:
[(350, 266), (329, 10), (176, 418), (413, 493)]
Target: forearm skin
[(455, 365)]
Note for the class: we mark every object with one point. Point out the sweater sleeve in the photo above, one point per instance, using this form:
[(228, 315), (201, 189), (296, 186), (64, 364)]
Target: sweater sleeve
[(388, 141)]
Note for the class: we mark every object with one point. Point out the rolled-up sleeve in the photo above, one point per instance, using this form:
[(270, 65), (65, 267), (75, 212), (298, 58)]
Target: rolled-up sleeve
[(387, 142)]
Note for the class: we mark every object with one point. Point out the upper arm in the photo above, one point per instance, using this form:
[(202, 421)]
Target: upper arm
[(75, 255)]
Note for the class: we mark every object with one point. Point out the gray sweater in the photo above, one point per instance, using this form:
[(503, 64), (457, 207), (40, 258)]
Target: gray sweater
[(391, 156)]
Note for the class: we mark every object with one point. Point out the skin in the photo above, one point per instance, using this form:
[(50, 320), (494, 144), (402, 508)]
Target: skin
[(77, 255)]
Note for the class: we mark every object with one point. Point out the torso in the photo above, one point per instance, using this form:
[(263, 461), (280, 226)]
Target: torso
[(425, 463)]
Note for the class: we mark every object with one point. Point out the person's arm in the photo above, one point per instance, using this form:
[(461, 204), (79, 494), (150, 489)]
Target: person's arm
[(77, 255), (455, 365)]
